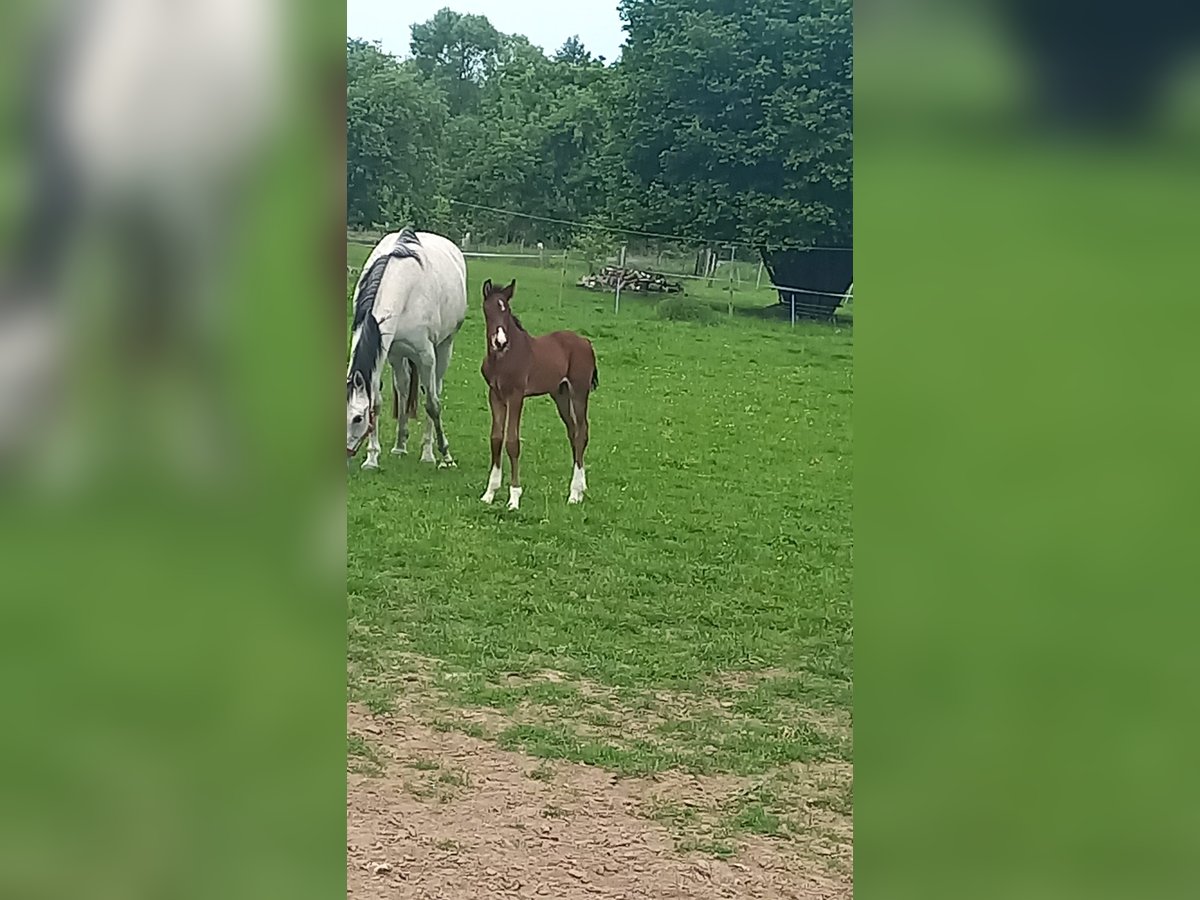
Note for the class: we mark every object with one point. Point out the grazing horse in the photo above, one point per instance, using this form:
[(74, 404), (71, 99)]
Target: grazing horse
[(410, 302), (519, 365)]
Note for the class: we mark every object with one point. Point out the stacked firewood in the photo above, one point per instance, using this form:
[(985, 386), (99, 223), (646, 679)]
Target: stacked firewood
[(630, 280)]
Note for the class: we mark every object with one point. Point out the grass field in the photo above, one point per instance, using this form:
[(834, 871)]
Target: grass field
[(693, 614)]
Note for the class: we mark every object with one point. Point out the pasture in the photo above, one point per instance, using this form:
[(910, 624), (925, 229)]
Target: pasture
[(686, 632)]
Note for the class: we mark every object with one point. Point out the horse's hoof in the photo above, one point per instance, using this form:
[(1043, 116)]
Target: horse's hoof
[(367, 464), (447, 464), (487, 498), (427, 459), (399, 451), (574, 499)]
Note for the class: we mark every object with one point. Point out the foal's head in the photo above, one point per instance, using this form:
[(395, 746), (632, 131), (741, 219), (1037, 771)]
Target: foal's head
[(497, 312)]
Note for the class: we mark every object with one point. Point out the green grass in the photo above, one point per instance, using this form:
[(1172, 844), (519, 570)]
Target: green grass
[(363, 758), (715, 540), (423, 764), (679, 308)]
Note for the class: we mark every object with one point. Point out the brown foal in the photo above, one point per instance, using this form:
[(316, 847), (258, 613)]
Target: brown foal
[(519, 365)]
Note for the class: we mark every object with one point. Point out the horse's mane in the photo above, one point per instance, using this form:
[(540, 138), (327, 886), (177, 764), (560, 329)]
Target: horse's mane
[(370, 340), (407, 243)]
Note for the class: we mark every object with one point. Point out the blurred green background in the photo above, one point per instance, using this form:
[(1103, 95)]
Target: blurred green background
[(172, 637), (173, 656), (1024, 461)]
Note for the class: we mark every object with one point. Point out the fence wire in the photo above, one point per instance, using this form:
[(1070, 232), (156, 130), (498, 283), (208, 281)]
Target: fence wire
[(556, 258)]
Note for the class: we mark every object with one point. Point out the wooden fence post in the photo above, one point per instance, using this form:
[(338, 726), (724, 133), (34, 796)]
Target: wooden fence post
[(563, 280)]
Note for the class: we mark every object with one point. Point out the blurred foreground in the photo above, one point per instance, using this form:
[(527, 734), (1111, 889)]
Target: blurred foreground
[(170, 522), (1025, 449)]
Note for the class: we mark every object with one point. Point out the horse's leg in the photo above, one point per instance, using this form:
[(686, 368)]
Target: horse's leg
[(442, 354), (499, 414), (427, 441), (400, 378), (433, 401), (513, 443), (372, 460), (427, 371), (579, 442), (566, 410)]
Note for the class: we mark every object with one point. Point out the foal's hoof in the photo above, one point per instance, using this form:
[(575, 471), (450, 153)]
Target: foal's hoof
[(447, 463), (399, 451), (427, 458), (369, 464), (487, 497), (574, 499)]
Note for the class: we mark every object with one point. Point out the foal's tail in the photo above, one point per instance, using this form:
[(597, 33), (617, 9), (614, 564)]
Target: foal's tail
[(414, 387)]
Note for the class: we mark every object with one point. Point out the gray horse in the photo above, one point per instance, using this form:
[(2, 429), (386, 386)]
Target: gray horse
[(409, 304)]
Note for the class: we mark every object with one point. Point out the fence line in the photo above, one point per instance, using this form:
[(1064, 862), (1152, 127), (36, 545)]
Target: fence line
[(769, 286), (654, 234), (846, 295), (504, 255)]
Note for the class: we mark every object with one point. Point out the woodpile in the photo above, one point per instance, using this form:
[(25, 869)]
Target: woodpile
[(636, 280)]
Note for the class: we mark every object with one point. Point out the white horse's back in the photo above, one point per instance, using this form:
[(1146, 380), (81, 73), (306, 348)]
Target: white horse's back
[(423, 298)]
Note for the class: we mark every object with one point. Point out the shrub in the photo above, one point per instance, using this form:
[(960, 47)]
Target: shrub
[(684, 309)]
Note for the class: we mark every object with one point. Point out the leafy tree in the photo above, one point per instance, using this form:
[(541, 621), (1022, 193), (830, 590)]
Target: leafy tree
[(724, 120), (739, 117), (594, 245), (458, 52), (573, 52), (393, 139)]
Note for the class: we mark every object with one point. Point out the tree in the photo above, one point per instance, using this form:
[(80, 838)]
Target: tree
[(458, 52), (393, 130), (573, 53), (533, 143), (739, 120)]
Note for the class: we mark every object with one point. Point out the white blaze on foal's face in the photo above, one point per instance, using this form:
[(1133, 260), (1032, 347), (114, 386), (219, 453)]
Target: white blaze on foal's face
[(499, 338)]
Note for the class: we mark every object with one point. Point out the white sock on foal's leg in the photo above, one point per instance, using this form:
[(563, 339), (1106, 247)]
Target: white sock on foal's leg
[(493, 485), (514, 497), (578, 485)]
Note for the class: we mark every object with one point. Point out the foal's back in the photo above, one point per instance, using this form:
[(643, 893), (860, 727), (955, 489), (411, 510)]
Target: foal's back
[(559, 355)]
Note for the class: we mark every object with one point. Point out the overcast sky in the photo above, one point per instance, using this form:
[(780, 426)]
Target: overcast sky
[(546, 23)]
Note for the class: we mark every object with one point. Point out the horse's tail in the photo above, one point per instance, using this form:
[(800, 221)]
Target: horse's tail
[(414, 387)]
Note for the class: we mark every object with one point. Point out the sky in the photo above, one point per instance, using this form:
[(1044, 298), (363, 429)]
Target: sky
[(546, 23)]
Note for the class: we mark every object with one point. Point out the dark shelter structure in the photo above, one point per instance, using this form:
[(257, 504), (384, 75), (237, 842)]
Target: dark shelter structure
[(827, 273)]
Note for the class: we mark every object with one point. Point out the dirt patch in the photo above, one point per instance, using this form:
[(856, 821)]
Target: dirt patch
[(450, 816)]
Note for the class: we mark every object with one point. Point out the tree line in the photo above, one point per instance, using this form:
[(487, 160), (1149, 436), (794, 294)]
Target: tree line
[(723, 120)]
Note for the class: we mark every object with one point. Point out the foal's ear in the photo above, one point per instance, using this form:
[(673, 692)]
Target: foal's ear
[(512, 286), (487, 288)]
